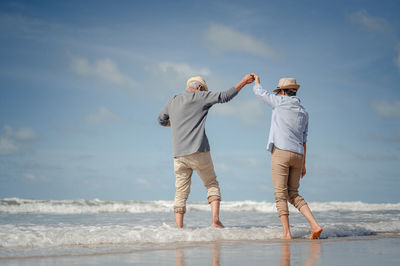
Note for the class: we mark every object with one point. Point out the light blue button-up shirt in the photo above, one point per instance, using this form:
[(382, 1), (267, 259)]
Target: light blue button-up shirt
[(289, 123)]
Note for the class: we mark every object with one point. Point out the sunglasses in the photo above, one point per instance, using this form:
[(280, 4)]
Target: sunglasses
[(289, 92)]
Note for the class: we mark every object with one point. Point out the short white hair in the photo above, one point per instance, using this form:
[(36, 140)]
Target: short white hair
[(194, 84)]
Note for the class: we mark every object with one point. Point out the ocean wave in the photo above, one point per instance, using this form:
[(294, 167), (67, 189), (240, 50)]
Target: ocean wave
[(81, 206), (40, 236)]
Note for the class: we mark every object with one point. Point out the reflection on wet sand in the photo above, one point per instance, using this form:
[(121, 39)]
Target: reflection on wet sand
[(310, 250), (180, 256), (314, 253)]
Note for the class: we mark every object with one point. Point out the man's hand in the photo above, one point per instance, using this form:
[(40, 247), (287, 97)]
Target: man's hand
[(249, 78), (245, 80)]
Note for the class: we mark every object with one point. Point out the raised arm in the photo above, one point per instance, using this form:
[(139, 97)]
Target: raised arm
[(267, 97), (249, 78), (225, 96)]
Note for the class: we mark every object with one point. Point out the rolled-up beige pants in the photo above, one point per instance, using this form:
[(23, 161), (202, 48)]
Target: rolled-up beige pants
[(286, 169), (202, 163)]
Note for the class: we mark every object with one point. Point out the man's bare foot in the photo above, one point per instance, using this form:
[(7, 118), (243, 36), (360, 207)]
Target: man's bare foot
[(286, 236), (217, 225), (315, 232)]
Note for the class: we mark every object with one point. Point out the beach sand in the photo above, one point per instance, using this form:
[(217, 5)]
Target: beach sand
[(371, 250)]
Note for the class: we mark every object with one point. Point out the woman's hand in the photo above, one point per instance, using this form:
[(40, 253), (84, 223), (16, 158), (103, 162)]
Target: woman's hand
[(256, 78), (303, 171)]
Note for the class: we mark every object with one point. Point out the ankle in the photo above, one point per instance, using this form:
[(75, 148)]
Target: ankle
[(316, 227), (215, 219)]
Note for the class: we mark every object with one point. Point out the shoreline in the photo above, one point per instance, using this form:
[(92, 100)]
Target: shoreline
[(254, 251)]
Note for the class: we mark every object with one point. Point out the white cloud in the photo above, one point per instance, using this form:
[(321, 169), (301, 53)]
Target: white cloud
[(173, 75), (33, 177), (102, 116), (375, 156), (25, 134), (363, 19), (225, 39), (103, 70), (15, 141), (183, 69), (222, 167), (8, 146), (142, 181), (391, 139), (386, 109), (397, 59), (248, 111)]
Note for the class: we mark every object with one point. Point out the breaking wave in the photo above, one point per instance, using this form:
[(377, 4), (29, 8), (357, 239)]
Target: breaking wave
[(80, 206), (41, 236)]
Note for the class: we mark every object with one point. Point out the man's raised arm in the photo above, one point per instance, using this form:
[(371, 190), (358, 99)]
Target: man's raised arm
[(249, 78), (226, 96)]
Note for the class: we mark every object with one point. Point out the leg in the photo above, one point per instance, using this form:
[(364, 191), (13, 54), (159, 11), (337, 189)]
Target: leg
[(297, 200), (316, 229), (179, 219), (215, 214), (285, 226), (294, 183), (280, 172), (205, 169), (183, 180)]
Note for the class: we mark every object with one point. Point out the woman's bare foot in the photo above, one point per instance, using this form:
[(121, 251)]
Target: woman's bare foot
[(315, 232), (217, 224)]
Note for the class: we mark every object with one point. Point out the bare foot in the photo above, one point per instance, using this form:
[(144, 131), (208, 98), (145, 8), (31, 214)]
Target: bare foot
[(315, 232), (286, 236), (217, 225)]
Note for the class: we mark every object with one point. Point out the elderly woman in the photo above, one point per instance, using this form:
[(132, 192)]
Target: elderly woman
[(287, 143)]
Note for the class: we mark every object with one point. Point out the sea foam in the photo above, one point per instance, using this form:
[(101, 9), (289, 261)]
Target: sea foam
[(12, 236), (81, 206)]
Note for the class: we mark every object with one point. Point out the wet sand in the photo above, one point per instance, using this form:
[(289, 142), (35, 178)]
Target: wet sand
[(371, 250)]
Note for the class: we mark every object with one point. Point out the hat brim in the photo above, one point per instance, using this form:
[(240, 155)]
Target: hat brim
[(295, 87)]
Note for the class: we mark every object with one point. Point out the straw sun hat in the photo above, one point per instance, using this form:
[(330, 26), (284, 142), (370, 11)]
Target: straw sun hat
[(198, 79), (287, 83)]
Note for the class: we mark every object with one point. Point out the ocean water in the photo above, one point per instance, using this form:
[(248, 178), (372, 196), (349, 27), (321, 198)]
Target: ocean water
[(30, 228)]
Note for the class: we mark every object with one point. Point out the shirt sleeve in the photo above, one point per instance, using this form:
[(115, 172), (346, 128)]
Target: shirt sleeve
[(220, 97), (265, 96), (163, 117)]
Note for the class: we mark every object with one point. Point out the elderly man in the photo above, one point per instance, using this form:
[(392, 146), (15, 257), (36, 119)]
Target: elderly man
[(186, 114), (287, 143)]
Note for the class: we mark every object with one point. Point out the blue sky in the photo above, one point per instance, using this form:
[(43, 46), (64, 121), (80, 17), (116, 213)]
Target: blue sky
[(82, 83)]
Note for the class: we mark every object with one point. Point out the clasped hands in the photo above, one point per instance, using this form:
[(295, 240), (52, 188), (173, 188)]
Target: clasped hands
[(250, 78)]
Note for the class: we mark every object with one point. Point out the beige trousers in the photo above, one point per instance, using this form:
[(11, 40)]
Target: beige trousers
[(286, 169), (202, 163)]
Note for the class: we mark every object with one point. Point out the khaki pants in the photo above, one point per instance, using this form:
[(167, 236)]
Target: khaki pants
[(286, 169), (202, 163)]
